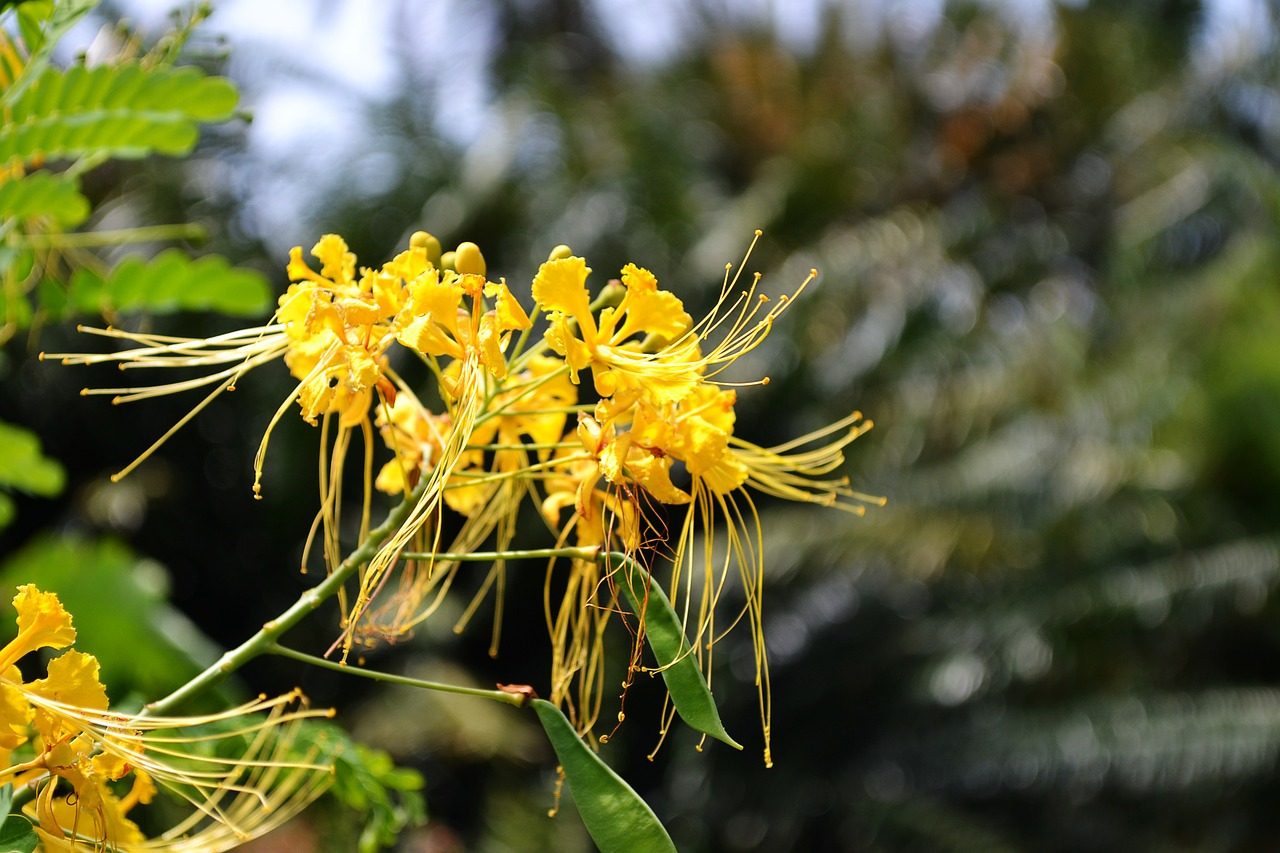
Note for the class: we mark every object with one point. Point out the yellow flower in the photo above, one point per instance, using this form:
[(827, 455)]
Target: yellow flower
[(339, 329), (609, 346), (77, 753), (416, 437), (42, 623), (237, 771)]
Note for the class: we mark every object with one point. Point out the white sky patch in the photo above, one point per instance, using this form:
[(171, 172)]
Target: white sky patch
[(1231, 33), (644, 32)]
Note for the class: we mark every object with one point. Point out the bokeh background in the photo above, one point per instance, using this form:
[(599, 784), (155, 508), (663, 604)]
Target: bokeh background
[(1050, 272)]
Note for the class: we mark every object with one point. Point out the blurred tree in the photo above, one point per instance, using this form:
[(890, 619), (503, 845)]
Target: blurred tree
[(1048, 249)]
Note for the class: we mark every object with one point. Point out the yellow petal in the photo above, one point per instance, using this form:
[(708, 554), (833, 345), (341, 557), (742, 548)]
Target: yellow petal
[(727, 474), (654, 473), (656, 312), (337, 264), (15, 711), (392, 478), (297, 268), (702, 445), (466, 500), (490, 341), (638, 279), (559, 336), (430, 313), (73, 680), (511, 315), (561, 286), (42, 623)]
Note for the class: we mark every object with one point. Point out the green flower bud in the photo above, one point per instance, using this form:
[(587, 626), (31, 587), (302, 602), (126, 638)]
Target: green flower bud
[(467, 259), (424, 240), (559, 253), (447, 261), (611, 294)]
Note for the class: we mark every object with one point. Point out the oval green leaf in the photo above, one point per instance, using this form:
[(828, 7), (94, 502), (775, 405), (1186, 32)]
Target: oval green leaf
[(665, 635), (17, 836), (618, 820)]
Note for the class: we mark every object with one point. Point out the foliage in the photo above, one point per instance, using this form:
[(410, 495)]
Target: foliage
[(16, 834), (25, 468), (368, 782), (145, 646), (1047, 260), (63, 122)]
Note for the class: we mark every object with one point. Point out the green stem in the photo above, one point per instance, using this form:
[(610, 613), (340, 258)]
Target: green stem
[(80, 240), (517, 699), (263, 641), (591, 553)]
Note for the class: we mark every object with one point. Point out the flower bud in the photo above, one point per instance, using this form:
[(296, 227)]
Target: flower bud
[(467, 259), (424, 240), (559, 253)]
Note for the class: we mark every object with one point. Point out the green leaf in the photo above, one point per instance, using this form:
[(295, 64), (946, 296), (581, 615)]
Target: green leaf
[(24, 467), (42, 25), (20, 261), (122, 110), (618, 820), (15, 309), (85, 292), (665, 635), (368, 781), (172, 281), (32, 16), (44, 194), (17, 836), (52, 298)]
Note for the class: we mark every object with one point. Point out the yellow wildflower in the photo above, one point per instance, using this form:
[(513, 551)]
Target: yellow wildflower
[(76, 752), (609, 346)]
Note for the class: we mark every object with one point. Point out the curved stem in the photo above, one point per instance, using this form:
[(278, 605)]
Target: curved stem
[(517, 699), (590, 553), (263, 641)]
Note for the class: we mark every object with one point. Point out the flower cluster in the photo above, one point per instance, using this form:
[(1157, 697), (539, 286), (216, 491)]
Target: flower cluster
[(90, 767), (643, 458)]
